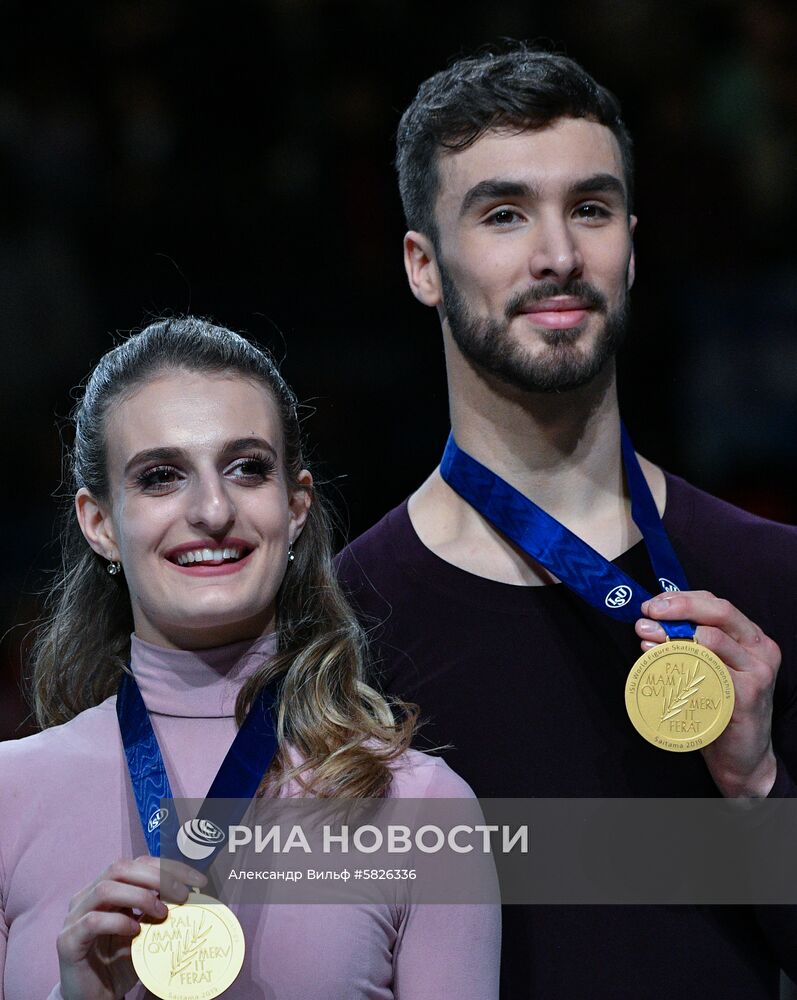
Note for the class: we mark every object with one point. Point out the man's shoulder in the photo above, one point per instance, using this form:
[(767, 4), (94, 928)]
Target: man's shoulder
[(378, 561), (706, 520), (375, 544)]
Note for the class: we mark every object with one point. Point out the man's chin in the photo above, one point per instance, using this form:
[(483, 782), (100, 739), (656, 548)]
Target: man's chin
[(566, 337), (563, 367)]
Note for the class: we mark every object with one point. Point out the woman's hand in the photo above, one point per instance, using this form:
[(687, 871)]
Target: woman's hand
[(94, 945)]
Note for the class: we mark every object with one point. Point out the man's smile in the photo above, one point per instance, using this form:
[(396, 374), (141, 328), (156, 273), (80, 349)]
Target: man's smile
[(557, 313)]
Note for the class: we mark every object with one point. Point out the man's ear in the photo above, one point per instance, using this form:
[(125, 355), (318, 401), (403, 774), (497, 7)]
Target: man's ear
[(96, 525), (632, 221), (420, 264)]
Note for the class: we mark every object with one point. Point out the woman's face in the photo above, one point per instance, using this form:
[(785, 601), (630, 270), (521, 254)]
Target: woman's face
[(200, 514)]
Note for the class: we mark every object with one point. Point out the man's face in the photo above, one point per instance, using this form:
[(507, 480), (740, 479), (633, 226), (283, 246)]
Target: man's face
[(535, 254)]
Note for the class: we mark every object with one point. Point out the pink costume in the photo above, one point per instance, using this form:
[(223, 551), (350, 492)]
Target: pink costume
[(67, 811)]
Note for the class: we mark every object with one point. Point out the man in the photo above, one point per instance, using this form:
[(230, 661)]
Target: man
[(515, 172)]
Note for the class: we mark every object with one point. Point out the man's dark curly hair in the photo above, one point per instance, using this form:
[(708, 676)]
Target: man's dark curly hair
[(518, 89)]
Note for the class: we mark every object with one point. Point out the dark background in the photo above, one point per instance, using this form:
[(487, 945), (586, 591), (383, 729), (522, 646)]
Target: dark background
[(235, 160)]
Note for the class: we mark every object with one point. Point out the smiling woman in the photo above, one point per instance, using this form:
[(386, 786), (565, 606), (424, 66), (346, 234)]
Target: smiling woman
[(182, 478), (197, 528)]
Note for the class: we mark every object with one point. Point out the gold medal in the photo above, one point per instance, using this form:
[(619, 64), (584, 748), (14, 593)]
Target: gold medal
[(194, 954), (679, 695)]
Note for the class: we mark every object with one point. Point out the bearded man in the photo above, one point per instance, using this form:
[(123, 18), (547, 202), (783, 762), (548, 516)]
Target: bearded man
[(516, 177)]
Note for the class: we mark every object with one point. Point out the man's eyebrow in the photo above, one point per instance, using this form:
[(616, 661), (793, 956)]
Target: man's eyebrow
[(495, 189), (598, 184), (167, 454)]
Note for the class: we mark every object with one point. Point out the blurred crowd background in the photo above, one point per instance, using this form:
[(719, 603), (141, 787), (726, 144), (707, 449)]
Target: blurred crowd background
[(235, 160)]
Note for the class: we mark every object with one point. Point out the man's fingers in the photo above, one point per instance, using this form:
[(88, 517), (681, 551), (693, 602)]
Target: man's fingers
[(704, 609), (732, 653)]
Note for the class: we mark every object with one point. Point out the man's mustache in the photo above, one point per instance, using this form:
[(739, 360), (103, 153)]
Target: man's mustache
[(578, 289)]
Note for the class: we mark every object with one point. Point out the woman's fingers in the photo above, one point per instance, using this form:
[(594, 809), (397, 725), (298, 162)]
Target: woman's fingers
[(181, 873), (171, 880), (77, 938), (109, 895), (95, 943)]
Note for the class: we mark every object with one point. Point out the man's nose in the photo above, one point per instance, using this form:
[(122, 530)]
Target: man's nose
[(554, 253)]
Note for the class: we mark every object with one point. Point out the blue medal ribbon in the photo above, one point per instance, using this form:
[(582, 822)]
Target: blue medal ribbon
[(237, 780), (579, 566)]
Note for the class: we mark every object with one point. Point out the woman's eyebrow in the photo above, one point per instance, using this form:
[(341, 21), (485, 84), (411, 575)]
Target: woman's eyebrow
[(247, 444), (169, 454), (154, 455)]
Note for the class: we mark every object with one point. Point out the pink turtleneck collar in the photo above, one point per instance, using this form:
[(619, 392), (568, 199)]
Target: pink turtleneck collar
[(201, 683)]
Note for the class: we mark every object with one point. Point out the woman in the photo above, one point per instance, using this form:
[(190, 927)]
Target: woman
[(197, 528)]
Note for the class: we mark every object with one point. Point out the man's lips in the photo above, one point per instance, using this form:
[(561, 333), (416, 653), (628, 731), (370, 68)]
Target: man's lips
[(557, 313)]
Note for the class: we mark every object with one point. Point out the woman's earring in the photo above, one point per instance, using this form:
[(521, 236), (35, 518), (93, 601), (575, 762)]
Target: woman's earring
[(114, 567), (291, 556)]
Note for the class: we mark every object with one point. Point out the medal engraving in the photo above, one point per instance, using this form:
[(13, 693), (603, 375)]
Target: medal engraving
[(194, 954), (679, 696)]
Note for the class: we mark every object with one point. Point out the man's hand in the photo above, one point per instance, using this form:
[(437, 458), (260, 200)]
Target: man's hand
[(741, 760)]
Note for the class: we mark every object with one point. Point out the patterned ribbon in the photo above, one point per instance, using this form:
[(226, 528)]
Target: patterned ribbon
[(559, 550), (237, 780)]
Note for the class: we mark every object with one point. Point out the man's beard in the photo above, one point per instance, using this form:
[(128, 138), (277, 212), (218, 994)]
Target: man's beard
[(488, 345)]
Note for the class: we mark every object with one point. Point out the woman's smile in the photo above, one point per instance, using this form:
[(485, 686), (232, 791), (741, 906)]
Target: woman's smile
[(200, 513), (228, 554)]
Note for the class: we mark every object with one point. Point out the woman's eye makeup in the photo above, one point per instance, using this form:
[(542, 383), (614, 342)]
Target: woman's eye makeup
[(249, 469), (252, 467), (161, 477)]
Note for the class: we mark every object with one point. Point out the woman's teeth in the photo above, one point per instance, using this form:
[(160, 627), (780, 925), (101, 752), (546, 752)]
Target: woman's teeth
[(207, 556)]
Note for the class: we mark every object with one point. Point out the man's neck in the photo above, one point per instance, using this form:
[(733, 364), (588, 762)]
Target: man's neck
[(561, 450)]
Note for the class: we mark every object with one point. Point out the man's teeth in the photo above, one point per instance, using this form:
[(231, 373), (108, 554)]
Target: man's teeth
[(207, 555)]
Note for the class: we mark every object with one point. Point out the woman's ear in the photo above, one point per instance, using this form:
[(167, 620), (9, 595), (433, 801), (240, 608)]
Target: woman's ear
[(95, 523), (299, 504)]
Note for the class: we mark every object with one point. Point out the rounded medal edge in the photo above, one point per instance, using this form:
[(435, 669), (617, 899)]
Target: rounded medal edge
[(151, 983), (676, 746), (721, 671)]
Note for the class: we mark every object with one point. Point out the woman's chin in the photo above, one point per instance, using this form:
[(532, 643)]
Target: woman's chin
[(208, 630)]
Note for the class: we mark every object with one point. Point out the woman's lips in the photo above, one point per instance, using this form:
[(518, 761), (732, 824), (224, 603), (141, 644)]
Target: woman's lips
[(212, 568)]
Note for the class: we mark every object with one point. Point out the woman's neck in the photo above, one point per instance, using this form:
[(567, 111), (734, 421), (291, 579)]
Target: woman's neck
[(198, 683)]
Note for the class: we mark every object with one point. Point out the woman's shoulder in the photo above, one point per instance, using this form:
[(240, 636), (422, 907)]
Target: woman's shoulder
[(418, 775), (53, 750)]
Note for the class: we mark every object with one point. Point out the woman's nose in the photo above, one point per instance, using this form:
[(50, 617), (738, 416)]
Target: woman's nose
[(211, 507)]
